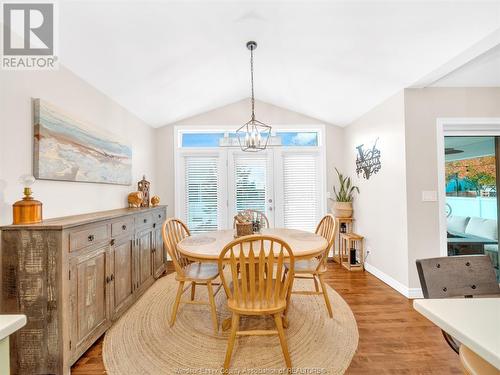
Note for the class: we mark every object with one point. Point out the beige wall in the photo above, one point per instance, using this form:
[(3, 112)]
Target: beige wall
[(380, 208), (67, 91), (422, 108), (236, 114)]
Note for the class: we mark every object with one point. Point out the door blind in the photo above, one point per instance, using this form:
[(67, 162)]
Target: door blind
[(300, 191), (201, 199), (250, 179)]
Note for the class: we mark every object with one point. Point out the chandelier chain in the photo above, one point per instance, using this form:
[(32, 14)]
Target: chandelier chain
[(251, 79), (253, 135)]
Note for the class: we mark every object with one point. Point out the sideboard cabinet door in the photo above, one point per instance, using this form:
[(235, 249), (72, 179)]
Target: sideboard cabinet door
[(88, 285), (144, 259), (158, 261), (121, 274)]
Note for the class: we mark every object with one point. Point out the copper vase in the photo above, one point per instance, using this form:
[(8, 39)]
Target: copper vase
[(27, 210)]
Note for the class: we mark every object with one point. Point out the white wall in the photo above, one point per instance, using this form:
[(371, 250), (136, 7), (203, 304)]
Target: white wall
[(236, 114), (422, 108), (398, 226), (76, 97), (380, 208)]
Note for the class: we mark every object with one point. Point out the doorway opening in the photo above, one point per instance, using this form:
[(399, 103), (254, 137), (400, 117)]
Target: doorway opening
[(468, 182), (471, 186)]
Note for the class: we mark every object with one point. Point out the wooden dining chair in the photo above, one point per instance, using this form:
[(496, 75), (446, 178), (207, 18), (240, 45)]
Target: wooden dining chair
[(256, 215), (315, 267), (194, 273), (257, 285), (457, 276)]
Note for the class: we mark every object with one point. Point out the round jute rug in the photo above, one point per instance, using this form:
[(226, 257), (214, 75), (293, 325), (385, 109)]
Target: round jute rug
[(142, 342)]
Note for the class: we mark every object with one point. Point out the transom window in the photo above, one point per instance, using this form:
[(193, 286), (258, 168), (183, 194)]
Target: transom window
[(191, 139)]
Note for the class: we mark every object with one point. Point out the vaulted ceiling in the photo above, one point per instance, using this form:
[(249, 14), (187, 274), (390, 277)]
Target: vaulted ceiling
[(166, 61), (483, 71)]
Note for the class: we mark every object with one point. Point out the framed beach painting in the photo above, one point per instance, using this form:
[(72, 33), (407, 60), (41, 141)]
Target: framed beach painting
[(66, 149)]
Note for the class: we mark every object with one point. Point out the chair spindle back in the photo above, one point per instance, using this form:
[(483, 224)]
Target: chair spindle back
[(262, 282), (326, 228), (173, 231)]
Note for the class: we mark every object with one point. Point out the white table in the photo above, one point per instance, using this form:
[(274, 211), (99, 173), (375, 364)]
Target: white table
[(8, 325), (475, 322)]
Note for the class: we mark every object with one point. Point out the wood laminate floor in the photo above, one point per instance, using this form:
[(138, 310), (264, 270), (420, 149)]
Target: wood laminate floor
[(393, 337)]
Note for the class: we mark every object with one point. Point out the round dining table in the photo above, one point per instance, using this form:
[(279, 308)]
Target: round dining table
[(206, 247)]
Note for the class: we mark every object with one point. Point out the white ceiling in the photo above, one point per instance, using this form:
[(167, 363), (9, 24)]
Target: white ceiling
[(166, 61), (483, 71)]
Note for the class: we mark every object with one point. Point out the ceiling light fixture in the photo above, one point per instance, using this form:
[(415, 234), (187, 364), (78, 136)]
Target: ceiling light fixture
[(254, 135)]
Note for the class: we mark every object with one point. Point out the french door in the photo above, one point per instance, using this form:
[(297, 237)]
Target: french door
[(300, 181), (250, 183), (287, 185)]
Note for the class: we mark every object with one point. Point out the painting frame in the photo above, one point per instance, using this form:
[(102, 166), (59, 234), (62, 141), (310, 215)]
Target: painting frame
[(68, 149)]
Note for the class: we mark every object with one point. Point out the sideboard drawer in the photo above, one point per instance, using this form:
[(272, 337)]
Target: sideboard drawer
[(122, 227), (86, 237), (143, 220), (159, 216)]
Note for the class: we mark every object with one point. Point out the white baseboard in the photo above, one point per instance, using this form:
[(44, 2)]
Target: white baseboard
[(410, 293)]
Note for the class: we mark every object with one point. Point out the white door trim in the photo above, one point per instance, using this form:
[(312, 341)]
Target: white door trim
[(452, 126)]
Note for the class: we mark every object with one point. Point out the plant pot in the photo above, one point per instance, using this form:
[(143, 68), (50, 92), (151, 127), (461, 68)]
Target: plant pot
[(342, 209)]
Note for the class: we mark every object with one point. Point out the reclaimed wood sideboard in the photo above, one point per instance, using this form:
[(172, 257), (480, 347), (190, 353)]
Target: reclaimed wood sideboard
[(74, 276)]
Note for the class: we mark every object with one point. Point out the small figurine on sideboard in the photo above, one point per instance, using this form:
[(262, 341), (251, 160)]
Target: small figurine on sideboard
[(143, 186), (155, 200), (135, 199)]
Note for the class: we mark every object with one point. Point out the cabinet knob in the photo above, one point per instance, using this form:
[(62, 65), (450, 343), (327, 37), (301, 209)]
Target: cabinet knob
[(108, 279), (145, 221), (124, 227), (154, 225), (112, 242), (91, 237)]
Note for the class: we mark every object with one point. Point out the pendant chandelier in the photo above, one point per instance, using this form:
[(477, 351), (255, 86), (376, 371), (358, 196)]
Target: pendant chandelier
[(254, 135)]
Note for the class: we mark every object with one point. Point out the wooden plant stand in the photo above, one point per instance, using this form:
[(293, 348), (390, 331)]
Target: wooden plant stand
[(344, 224), (350, 241)]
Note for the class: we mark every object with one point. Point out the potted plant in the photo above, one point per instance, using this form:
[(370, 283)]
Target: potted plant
[(342, 206)]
